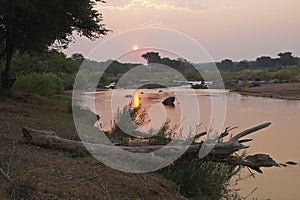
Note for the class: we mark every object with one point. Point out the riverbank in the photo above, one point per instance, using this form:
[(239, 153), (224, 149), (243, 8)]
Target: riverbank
[(51, 174), (289, 91)]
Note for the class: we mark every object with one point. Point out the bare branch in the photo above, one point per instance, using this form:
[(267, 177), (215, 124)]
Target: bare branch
[(104, 187), (5, 175), (200, 134), (250, 130)]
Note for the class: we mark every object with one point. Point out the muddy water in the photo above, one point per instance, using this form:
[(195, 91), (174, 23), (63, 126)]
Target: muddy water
[(280, 140)]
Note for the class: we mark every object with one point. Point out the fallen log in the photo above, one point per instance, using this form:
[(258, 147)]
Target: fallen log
[(221, 150), (49, 139)]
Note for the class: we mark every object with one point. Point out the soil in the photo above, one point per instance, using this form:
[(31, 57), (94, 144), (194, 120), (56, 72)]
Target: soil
[(50, 174), (278, 91)]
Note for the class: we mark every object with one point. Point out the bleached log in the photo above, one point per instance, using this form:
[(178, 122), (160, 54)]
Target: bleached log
[(250, 130), (235, 144), (49, 139), (221, 150)]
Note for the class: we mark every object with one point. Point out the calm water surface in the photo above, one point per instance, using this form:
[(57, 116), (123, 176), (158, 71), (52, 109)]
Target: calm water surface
[(280, 140)]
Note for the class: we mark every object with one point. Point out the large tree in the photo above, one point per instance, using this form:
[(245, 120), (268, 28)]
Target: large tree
[(152, 57), (34, 25), (265, 62), (287, 59)]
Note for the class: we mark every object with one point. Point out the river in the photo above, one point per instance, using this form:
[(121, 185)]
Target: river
[(280, 140)]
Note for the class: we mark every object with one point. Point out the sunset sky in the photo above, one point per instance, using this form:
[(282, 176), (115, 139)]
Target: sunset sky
[(234, 29)]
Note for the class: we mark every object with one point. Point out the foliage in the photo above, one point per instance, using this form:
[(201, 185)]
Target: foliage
[(200, 179), (41, 84), (261, 63), (286, 59), (164, 134), (33, 26), (288, 74), (127, 120), (48, 62), (152, 57), (52, 61)]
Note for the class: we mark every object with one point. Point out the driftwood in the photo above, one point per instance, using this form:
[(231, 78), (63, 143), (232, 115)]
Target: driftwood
[(222, 151)]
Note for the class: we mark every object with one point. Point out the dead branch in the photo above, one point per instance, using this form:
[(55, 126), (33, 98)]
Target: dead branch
[(104, 187), (223, 150), (250, 130), (200, 135), (2, 172)]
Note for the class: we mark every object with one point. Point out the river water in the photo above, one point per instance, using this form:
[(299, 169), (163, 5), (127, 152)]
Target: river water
[(280, 140)]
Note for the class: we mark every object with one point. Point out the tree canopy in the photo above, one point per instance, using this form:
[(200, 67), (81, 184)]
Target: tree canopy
[(34, 25)]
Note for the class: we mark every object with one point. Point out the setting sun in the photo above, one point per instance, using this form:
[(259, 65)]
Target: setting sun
[(135, 47)]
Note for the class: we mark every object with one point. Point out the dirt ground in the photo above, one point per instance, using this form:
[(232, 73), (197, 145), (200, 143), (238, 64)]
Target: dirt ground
[(51, 174), (279, 91)]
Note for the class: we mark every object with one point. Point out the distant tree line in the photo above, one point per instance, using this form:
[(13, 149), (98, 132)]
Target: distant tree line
[(262, 63), (41, 69)]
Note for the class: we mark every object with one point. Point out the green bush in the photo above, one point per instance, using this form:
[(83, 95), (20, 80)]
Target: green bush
[(41, 84), (201, 179), (288, 73)]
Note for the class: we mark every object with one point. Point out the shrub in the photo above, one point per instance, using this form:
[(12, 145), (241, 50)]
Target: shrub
[(41, 84), (200, 179)]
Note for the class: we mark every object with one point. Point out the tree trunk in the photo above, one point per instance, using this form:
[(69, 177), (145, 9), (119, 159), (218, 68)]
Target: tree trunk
[(7, 81)]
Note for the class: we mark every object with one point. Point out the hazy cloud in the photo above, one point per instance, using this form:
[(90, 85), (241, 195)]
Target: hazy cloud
[(188, 4), (124, 5)]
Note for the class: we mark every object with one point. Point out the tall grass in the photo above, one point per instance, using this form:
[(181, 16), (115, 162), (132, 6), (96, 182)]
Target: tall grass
[(201, 179)]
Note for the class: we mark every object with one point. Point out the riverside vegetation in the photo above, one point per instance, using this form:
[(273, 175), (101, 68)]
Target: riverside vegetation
[(49, 75), (52, 72)]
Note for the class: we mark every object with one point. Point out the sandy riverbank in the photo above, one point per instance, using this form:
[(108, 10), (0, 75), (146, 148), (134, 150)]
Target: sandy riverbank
[(278, 91)]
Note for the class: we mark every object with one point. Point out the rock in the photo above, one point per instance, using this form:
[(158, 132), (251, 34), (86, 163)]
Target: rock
[(199, 86), (254, 84), (262, 160), (291, 163), (169, 101)]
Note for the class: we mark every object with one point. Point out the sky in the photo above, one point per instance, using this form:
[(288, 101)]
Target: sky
[(226, 29)]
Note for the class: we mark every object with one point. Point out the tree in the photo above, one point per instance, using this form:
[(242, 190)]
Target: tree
[(242, 65), (152, 57), (265, 62), (287, 59), (27, 25), (226, 65), (78, 58)]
